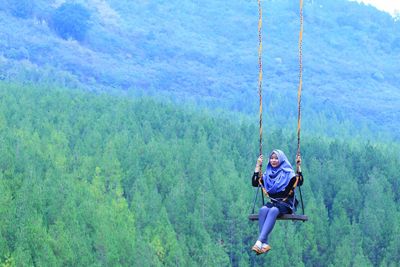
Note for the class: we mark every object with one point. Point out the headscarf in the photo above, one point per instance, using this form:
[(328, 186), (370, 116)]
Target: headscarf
[(276, 179)]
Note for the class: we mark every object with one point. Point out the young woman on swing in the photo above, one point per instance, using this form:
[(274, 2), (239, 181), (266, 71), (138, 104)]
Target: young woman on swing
[(278, 180)]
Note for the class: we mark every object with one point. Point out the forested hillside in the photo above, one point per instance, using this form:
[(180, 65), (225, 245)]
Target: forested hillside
[(100, 180), (205, 52), (129, 133)]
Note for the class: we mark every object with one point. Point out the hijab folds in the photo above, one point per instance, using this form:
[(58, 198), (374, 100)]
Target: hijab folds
[(276, 179)]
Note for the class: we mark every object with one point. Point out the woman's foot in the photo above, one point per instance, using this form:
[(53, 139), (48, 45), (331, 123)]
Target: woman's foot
[(265, 248), (260, 248), (257, 247)]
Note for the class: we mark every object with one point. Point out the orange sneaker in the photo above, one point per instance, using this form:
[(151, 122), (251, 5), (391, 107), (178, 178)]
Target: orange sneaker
[(264, 249), (256, 249)]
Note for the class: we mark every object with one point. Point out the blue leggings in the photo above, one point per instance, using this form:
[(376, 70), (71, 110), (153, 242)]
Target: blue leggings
[(266, 221)]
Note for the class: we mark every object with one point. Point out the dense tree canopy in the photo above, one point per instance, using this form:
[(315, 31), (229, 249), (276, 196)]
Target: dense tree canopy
[(101, 180), (20, 8), (153, 166), (71, 20)]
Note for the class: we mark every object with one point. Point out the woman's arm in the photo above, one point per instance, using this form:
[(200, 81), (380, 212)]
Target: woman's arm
[(257, 169), (299, 174), (291, 184), (254, 179), (301, 179)]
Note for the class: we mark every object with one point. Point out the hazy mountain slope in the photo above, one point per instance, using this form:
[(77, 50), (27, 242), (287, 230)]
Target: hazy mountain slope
[(206, 52)]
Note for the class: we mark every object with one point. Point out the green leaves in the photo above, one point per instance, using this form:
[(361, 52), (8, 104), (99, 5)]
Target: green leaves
[(71, 20), (100, 180)]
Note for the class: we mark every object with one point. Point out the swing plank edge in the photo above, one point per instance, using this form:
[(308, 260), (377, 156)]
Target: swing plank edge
[(293, 217)]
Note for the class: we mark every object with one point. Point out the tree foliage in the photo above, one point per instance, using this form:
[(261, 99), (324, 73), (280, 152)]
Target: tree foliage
[(71, 20), (101, 180), (21, 8), (206, 53)]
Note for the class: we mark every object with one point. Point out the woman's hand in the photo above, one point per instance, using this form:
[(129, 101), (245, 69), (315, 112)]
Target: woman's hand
[(259, 163), (298, 163), (298, 160)]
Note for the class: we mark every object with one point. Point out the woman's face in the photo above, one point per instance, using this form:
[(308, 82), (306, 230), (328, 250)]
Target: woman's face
[(273, 160)]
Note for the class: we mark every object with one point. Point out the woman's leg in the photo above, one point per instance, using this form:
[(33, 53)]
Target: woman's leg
[(262, 215), (268, 224)]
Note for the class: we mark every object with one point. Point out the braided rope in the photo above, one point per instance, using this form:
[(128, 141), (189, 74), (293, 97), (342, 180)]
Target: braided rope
[(260, 68), (300, 84), (260, 75), (260, 78)]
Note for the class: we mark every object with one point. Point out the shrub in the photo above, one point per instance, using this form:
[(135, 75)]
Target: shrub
[(71, 20), (21, 8)]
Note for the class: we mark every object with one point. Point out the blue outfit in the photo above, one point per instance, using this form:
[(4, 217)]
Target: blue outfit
[(277, 182), (276, 179)]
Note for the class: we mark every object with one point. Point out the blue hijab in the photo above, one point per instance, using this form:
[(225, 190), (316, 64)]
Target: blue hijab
[(276, 179)]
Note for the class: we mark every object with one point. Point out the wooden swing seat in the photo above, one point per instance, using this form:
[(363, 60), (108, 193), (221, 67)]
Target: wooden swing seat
[(291, 217)]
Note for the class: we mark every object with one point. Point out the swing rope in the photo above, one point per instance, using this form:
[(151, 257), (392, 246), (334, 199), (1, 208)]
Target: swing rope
[(260, 80), (260, 76), (300, 83), (260, 67), (298, 169)]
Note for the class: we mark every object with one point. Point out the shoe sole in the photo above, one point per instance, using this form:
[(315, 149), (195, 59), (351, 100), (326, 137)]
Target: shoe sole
[(259, 251)]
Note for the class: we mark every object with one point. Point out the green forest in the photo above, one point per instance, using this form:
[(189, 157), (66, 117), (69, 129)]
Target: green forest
[(93, 179), (129, 132)]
